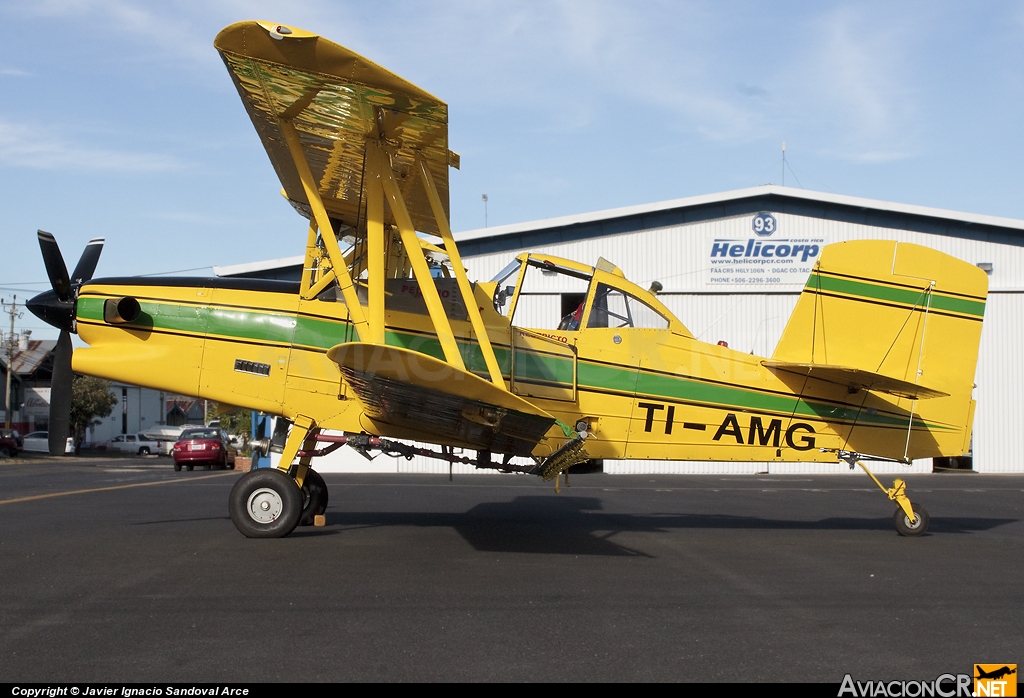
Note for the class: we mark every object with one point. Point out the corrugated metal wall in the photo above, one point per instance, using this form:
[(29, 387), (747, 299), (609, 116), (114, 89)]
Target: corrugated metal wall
[(999, 416)]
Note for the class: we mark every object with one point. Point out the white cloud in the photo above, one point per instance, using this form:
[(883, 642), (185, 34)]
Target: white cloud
[(853, 86), (158, 26), (875, 156), (27, 146), (14, 72)]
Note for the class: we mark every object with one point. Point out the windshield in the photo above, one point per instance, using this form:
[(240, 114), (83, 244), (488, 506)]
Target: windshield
[(503, 290)]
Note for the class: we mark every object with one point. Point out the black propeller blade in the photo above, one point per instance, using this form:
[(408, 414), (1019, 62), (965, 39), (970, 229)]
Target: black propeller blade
[(87, 262), (55, 267), (57, 307), (60, 395)]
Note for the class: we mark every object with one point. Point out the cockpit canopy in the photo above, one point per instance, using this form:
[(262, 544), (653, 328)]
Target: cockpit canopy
[(546, 292)]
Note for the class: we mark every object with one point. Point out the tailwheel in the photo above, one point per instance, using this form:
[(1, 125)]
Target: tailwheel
[(265, 503), (314, 497), (906, 527)]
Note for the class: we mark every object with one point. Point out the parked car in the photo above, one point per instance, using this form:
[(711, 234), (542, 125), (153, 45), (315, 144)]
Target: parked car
[(207, 446), (39, 442), (10, 443), (134, 443), (167, 436)]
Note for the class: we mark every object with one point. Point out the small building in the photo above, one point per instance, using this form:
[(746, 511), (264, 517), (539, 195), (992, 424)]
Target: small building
[(32, 371)]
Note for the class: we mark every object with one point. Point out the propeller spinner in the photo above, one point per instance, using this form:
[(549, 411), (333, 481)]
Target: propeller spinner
[(57, 307)]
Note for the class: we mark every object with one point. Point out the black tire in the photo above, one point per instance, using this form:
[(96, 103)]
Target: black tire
[(265, 503), (314, 497), (5, 452), (144, 451), (177, 467), (189, 467), (906, 527)]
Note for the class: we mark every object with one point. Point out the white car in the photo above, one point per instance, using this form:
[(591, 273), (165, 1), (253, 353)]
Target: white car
[(134, 443), (39, 442)]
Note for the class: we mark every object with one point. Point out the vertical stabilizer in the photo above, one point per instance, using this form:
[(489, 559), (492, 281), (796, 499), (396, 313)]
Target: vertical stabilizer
[(904, 314)]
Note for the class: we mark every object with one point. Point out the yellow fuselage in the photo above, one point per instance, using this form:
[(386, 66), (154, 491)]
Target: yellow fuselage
[(643, 393)]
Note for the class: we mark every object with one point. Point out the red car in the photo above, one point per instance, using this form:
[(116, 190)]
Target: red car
[(10, 443), (207, 446)]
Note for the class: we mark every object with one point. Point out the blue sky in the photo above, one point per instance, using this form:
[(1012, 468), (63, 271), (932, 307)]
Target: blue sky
[(118, 119)]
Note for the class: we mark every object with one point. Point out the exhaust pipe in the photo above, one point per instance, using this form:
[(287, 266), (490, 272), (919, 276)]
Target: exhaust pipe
[(118, 311)]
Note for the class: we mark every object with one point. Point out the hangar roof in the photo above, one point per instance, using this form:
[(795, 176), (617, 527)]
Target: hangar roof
[(853, 209), (268, 269), (739, 202)]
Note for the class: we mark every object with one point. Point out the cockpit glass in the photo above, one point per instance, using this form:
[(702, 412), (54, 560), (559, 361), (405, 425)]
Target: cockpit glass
[(616, 308), (506, 288), (551, 296), (510, 269)]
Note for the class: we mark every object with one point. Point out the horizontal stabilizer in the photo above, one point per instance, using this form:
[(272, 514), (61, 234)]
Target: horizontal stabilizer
[(415, 391), (858, 379)]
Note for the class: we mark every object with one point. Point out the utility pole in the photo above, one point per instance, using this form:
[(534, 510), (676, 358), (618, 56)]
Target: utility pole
[(783, 163), (11, 344), (484, 198)]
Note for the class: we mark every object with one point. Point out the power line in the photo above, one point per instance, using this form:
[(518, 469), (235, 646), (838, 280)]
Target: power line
[(15, 288), (179, 271)]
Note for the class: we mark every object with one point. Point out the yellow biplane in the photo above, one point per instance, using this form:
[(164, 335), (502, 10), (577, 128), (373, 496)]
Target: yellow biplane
[(387, 341)]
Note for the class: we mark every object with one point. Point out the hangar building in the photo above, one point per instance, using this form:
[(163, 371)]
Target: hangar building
[(700, 249)]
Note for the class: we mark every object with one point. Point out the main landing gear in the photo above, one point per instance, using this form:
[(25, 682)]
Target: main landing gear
[(265, 503), (272, 502), (909, 518)]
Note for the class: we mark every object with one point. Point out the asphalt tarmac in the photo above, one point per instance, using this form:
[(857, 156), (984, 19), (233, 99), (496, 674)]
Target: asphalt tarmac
[(127, 571)]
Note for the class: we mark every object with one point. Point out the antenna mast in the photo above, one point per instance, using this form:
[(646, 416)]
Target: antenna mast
[(783, 163)]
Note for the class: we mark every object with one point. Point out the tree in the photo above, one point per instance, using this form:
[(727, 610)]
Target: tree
[(233, 420), (90, 398), (238, 422)]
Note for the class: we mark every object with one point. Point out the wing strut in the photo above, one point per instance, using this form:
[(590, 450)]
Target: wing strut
[(460, 275), (323, 222), (376, 160)]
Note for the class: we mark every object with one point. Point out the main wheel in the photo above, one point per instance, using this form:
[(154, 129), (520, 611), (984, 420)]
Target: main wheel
[(314, 497), (265, 503), (906, 527), (177, 467), (5, 452), (144, 451), (189, 467)]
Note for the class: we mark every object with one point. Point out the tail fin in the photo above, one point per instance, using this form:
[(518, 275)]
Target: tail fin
[(899, 321)]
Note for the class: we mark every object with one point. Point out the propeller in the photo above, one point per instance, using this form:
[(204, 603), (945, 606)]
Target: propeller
[(57, 307)]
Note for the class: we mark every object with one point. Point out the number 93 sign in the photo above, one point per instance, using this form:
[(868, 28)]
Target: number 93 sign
[(764, 224)]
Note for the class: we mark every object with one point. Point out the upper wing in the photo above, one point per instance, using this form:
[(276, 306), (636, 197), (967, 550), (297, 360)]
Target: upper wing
[(336, 99), (415, 391)]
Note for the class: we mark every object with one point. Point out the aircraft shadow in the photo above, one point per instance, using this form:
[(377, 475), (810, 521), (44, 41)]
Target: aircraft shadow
[(578, 526)]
